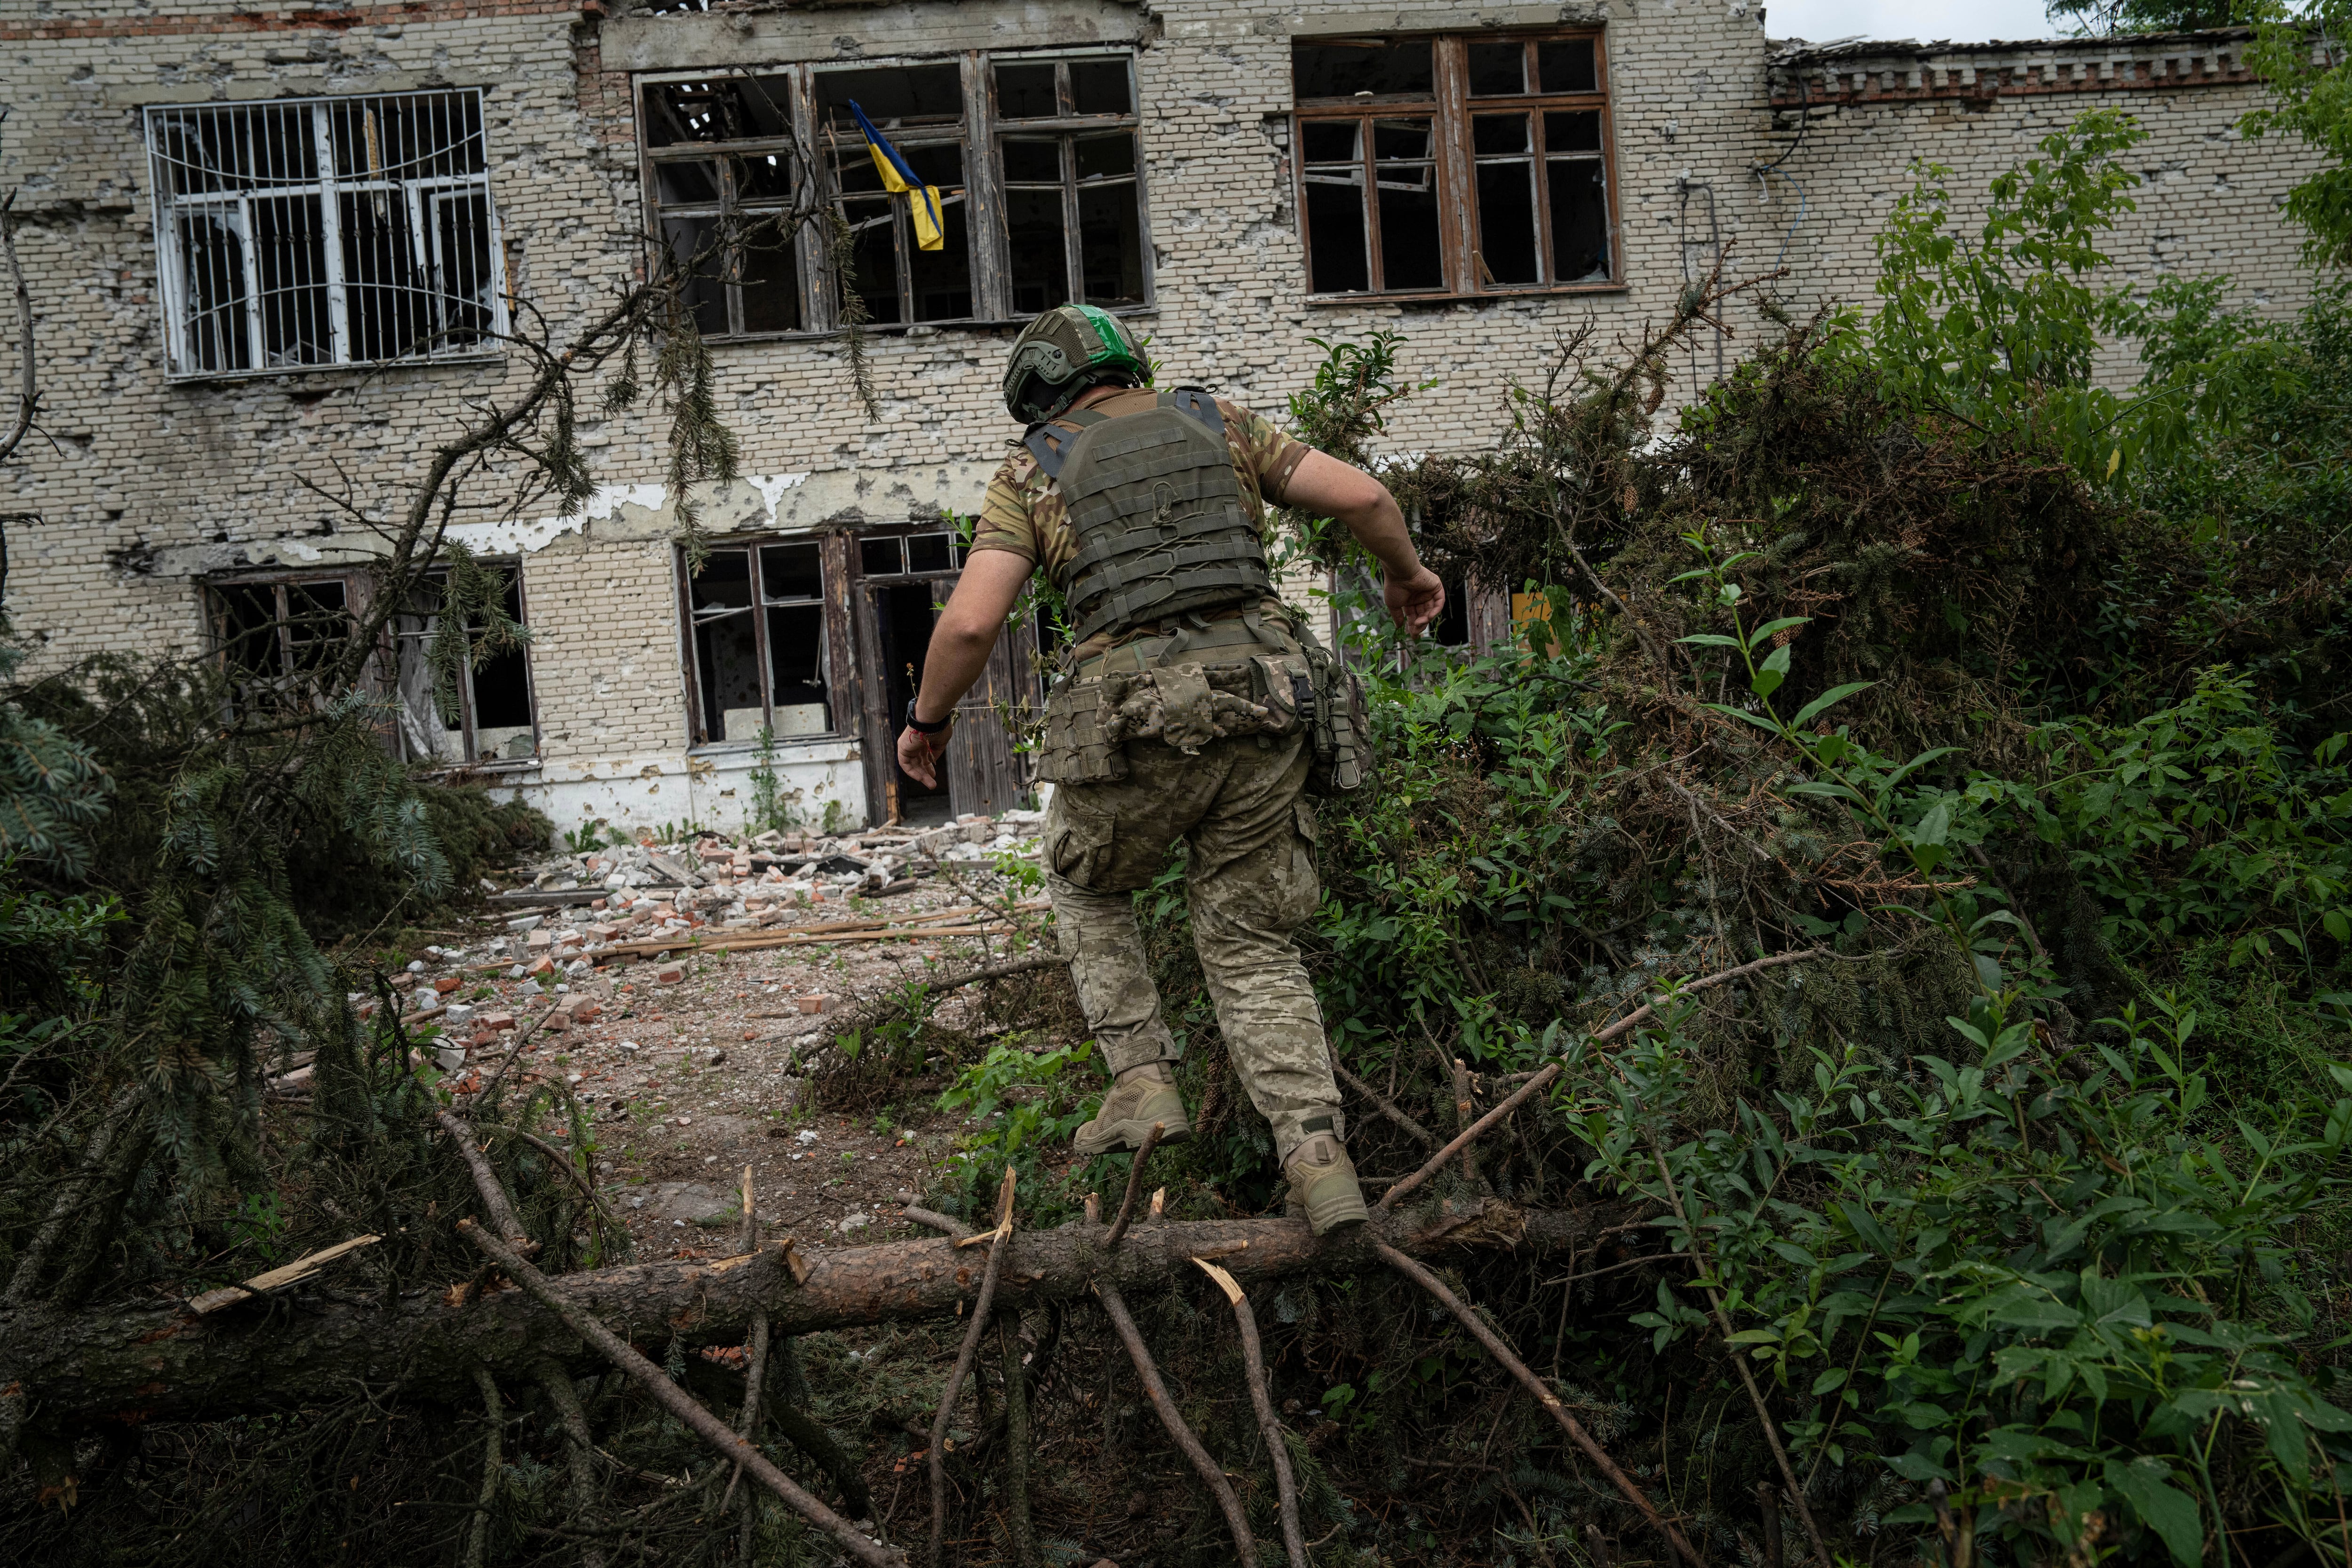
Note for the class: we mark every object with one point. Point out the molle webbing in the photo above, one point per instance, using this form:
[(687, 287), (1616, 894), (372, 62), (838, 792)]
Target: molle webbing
[(1156, 511)]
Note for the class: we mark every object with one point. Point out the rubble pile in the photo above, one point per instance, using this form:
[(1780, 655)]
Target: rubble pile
[(588, 965)]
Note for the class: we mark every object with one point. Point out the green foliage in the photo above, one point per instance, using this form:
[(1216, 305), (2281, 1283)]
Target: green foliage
[(2001, 328), (1020, 1100), (2109, 19), (1938, 694), (2312, 98), (2195, 821), (2056, 1292), (768, 811)]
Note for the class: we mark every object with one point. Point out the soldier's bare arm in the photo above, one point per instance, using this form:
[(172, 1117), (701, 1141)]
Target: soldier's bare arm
[(967, 630), (1362, 505)]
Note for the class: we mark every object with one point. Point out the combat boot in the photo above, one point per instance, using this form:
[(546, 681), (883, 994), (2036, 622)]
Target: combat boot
[(1323, 1185), (1140, 1097)]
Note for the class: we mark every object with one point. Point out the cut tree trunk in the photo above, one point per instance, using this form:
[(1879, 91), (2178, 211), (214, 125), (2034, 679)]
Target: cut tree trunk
[(139, 1363)]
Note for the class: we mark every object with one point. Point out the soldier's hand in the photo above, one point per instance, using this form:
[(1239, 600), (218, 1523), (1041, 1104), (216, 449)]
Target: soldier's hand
[(1413, 601), (919, 753)]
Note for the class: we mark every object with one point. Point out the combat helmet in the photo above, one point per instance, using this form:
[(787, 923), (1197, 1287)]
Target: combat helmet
[(1061, 353)]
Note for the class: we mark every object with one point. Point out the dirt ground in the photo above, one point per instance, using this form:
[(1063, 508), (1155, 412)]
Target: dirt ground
[(696, 1065)]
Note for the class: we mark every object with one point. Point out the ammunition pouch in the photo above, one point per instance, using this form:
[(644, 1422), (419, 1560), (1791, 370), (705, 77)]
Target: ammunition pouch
[(1342, 736), (1238, 678)]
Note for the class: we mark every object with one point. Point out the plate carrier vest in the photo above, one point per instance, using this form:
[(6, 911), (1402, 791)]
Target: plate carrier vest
[(1155, 509)]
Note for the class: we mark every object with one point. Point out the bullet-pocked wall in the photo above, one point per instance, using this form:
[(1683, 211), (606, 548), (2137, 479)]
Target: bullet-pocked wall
[(159, 475)]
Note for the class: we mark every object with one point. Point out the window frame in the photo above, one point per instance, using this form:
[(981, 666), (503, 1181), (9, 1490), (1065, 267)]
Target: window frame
[(982, 194), (1450, 109), (730, 208), (423, 199), (1065, 129), (289, 680), (831, 600), (468, 705)]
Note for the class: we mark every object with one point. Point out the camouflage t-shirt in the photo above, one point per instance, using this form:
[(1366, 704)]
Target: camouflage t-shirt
[(1023, 512)]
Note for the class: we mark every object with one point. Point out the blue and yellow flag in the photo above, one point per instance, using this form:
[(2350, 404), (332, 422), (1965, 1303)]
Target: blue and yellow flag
[(923, 201)]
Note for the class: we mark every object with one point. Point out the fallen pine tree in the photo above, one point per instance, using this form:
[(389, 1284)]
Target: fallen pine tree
[(150, 1363)]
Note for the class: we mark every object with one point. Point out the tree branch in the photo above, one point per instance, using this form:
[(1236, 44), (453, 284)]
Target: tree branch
[(680, 1403), (1244, 1547), (1502, 1353)]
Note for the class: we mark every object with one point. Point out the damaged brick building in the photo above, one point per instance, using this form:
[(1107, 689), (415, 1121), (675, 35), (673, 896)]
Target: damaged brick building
[(239, 223)]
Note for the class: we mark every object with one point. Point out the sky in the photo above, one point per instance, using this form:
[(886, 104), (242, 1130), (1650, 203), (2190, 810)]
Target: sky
[(1961, 21)]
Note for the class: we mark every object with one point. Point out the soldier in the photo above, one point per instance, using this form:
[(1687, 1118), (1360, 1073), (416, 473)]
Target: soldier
[(1191, 704)]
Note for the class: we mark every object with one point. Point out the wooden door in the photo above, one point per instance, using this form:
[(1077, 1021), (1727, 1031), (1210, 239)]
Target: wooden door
[(985, 775)]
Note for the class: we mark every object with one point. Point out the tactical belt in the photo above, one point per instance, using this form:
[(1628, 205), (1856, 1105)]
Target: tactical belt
[(1237, 628)]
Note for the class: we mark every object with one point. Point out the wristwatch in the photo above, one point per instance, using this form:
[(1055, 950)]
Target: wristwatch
[(918, 727)]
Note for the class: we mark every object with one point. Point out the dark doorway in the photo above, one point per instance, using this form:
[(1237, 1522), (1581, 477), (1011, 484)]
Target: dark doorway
[(902, 624)]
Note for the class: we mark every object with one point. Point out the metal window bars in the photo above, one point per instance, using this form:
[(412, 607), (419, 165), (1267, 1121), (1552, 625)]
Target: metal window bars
[(324, 231)]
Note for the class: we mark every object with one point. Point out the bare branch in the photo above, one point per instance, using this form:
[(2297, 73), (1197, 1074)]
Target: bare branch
[(1502, 1352), (1244, 1547), (680, 1403)]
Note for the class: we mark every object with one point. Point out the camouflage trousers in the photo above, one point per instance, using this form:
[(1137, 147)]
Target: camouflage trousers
[(1251, 884)]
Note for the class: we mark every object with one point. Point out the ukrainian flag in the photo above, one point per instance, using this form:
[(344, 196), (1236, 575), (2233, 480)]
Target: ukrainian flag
[(899, 179)]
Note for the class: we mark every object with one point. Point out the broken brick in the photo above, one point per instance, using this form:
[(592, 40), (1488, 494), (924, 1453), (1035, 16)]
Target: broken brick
[(493, 1023), (812, 1003), (587, 1012), (447, 983), (669, 974)]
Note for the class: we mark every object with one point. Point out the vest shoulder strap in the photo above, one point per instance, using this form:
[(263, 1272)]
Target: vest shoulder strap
[(1196, 402), (1050, 446)]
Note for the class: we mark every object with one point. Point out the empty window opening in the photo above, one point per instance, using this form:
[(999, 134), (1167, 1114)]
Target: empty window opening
[(324, 231), (1382, 150), (1073, 196), (920, 110), (277, 641), (762, 655), (723, 173), (1059, 182), (453, 709), (1363, 68)]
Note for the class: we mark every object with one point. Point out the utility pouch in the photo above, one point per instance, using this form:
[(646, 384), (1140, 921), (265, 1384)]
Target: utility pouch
[(1342, 729), (1078, 747), (1285, 690)]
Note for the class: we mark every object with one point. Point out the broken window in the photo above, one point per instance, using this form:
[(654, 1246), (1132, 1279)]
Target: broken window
[(909, 555), (1060, 175), (455, 710), (762, 655), (1388, 127), (723, 173), (324, 231), (276, 640), (1073, 200), (920, 110)]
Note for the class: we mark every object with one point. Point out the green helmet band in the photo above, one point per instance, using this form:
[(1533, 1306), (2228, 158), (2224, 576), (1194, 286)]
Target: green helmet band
[(1062, 354)]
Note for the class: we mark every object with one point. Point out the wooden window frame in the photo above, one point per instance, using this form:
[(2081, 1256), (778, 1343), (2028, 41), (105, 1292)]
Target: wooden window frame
[(730, 208), (469, 727), (1449, 107), (980, 135), (1065, 129), (835, 578), (355, 586)]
